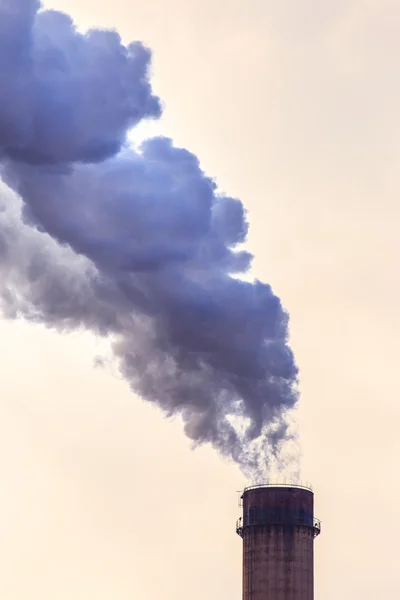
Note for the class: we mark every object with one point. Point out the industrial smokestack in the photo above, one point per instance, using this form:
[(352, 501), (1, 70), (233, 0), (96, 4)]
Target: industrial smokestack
[(278, 528)]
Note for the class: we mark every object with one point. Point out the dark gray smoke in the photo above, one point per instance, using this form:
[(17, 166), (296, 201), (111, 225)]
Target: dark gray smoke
[(67, 97), (138, 245)]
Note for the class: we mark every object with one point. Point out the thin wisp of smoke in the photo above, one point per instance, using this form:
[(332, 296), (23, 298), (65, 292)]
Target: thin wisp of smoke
[(135, 244)]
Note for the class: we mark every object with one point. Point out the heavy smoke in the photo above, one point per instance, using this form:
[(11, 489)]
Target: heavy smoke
[(134, 244)]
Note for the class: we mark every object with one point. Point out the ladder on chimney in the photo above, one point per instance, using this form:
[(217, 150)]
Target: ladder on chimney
[(249, 551)]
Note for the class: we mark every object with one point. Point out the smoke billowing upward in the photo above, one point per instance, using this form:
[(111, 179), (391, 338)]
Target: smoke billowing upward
[(155, 251)]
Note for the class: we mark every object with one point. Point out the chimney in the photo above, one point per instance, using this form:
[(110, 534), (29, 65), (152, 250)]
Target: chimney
[(278, 530)]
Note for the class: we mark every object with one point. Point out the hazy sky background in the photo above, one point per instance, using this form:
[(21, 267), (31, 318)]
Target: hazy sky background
[(293, 106)]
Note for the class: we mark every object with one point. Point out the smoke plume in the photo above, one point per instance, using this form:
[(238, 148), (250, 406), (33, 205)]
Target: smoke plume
[(134, 244)]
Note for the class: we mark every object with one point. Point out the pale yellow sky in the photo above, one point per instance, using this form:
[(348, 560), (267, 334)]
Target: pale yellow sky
[(294, 108)]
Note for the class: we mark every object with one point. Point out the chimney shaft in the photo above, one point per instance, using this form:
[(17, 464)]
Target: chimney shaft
[(278, 530)]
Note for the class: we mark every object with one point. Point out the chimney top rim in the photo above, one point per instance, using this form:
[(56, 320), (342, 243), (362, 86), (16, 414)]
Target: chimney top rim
[(295, 486)]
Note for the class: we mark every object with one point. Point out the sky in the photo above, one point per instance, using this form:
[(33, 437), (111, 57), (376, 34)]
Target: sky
[(294, 110)]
